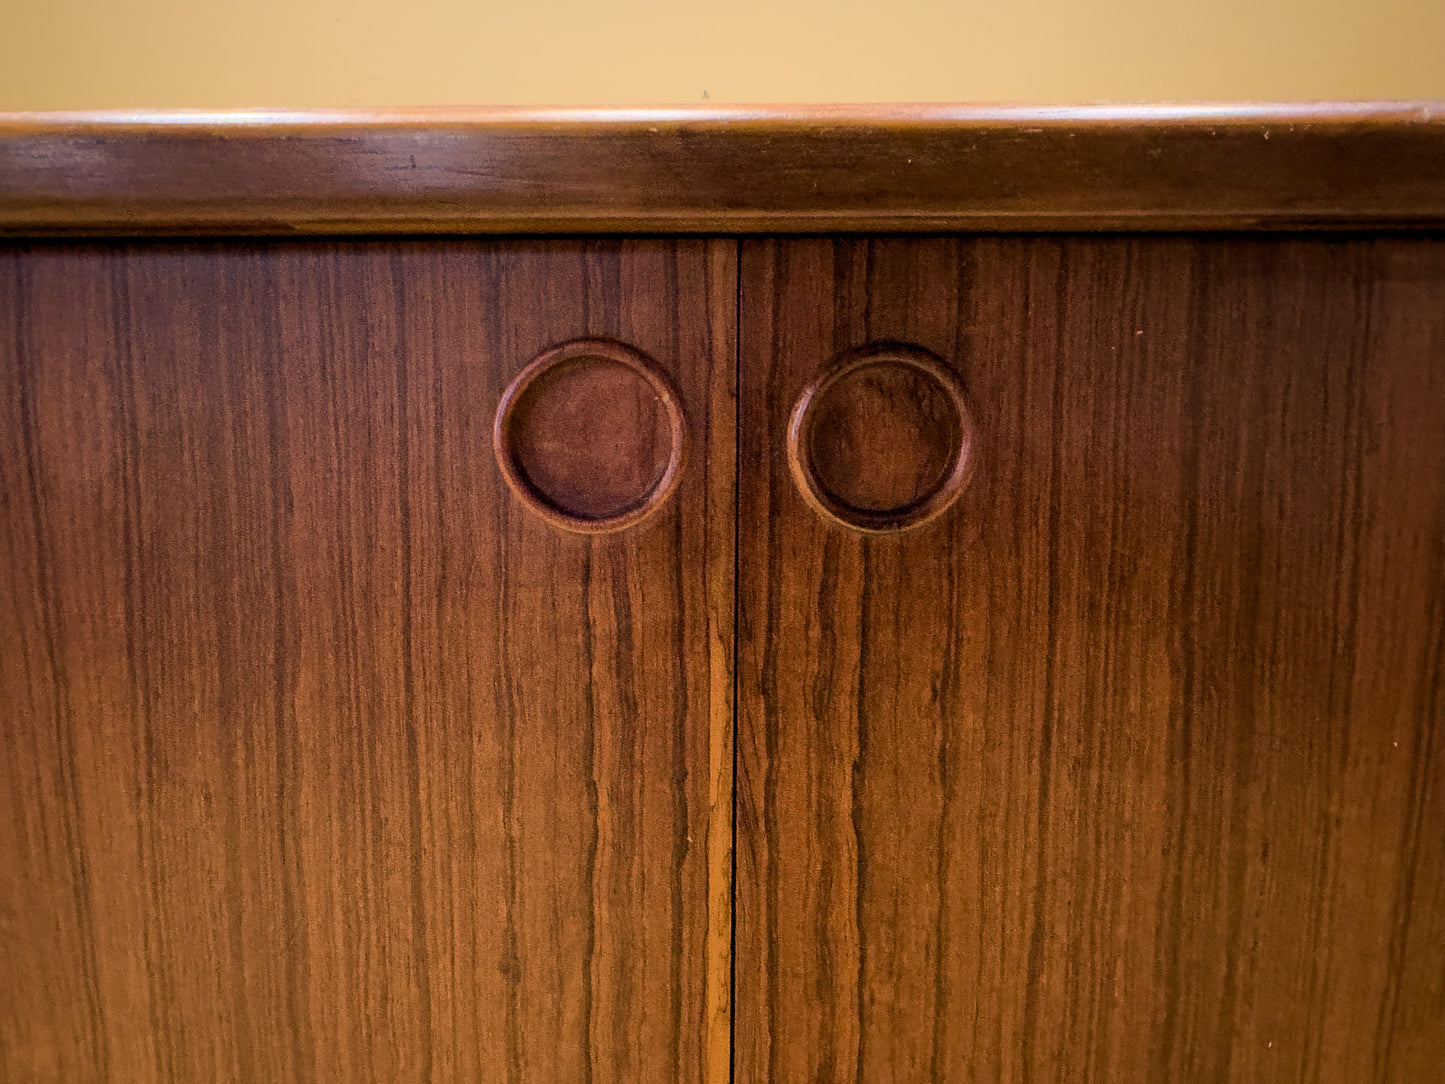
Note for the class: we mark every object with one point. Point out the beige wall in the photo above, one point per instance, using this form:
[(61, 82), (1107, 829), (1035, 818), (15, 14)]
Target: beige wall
[(76, 54)]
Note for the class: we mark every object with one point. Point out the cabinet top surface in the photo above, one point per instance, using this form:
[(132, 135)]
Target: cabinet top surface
[(765, 169)]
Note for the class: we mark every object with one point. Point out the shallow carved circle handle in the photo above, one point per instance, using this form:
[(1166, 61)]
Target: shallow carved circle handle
[(883, 440), (591, 436)]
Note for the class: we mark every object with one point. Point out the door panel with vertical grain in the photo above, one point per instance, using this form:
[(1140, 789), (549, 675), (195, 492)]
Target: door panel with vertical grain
[(1127, 766), (324, 758)]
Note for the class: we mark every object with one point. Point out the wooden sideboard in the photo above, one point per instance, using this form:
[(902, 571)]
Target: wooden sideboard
[(846, 594)]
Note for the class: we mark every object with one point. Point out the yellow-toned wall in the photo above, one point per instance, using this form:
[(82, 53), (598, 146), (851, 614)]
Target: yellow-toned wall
[(78, 54)]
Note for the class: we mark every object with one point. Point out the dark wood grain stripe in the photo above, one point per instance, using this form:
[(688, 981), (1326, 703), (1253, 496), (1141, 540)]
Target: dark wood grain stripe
[(411, 707), (589, 770)]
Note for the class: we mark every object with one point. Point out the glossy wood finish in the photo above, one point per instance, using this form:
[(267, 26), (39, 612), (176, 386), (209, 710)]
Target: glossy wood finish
[(323, 758), (775, 169), (1128, 767)]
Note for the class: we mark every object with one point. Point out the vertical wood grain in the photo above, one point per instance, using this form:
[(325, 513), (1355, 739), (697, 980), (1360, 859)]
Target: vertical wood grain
[(1128, 767), (323, 759)]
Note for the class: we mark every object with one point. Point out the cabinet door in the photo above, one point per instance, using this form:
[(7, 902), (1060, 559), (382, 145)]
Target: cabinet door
[(324, 757), (1127, 766)]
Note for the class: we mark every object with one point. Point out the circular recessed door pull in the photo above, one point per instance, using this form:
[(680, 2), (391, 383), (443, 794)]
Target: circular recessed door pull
[(591, 436), (883, 440)]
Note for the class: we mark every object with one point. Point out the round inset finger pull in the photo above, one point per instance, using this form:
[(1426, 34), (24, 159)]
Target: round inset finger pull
[(883, 440), (591, 436)]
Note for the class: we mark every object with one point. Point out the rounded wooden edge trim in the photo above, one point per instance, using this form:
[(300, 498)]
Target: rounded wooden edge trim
[(732, 170), (504, 444), (800, 459)]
